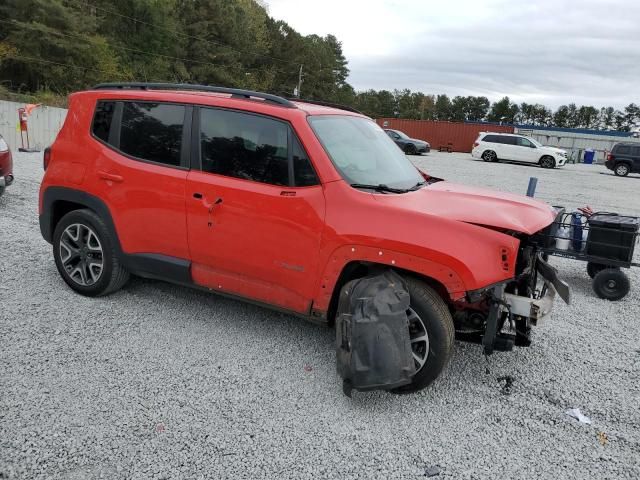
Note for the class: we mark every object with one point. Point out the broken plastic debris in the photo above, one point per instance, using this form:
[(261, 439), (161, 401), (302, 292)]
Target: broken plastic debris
[(160, 428), (602, 438), (307, 368), (577, 414), (432, 471)]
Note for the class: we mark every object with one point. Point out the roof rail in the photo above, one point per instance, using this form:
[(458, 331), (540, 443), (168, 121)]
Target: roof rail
[(234, 92), (326, 104)]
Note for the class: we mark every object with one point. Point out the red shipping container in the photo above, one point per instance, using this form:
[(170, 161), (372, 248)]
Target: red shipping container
[(457, 136)]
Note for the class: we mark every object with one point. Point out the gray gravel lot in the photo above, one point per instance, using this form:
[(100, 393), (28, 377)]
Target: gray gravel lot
[(159, 381)]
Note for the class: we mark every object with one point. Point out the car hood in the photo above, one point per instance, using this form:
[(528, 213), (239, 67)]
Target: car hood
[(555, 149), (474, 205)]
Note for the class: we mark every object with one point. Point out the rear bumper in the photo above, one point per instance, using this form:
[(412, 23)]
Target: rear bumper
[(609, 164)]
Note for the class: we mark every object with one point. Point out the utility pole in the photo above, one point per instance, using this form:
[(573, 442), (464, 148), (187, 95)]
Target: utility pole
[(299, 82)]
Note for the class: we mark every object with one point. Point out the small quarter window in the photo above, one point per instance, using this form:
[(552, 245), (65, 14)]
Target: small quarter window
[(623, 150), (102, 120)]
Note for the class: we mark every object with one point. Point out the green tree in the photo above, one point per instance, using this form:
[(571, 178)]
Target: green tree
[(503, 111)]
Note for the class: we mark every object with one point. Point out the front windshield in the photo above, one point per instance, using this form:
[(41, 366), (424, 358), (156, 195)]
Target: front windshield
[(362, 152), (402, 134)]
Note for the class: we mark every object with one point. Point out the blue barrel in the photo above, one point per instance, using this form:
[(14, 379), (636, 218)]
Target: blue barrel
[(589, 155)]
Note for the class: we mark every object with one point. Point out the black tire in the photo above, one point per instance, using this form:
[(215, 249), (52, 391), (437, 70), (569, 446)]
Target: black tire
[(611, 284), (2, 189), (410, 149), (112, 276), (440, 330), (547, 162), (489, 156), (594, 268), (622, 169)]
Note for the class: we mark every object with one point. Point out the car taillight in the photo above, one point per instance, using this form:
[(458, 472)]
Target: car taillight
[(609, 156), (46, 158), (476, 144)]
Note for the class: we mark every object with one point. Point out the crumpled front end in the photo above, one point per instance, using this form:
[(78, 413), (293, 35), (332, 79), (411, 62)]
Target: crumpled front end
[(501, 315)]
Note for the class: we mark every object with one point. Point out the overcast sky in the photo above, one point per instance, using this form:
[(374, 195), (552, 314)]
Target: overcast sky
[(545, 51)]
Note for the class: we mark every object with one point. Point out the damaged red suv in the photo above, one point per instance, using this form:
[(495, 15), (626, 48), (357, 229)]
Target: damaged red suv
[(6, 166), (285, 203)]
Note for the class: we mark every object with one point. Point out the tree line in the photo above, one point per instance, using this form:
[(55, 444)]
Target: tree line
[(49, 48), (417, 105)]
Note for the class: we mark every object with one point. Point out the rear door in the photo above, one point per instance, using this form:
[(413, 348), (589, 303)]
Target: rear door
[(255, 209), (142, 173), (507, 147)]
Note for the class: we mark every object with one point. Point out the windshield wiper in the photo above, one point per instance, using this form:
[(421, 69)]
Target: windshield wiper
[(381, 187), (418, 185)]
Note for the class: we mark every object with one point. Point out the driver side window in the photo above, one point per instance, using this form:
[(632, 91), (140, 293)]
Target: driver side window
[(523, 142)]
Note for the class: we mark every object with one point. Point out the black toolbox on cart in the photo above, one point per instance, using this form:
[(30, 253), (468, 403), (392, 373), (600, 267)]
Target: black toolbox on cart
[(612, 236)]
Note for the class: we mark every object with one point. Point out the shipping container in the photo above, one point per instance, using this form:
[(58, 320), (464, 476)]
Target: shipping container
[(456, 136)]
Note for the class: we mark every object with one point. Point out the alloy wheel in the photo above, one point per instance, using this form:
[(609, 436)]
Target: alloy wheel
[(622, 170), (81, 254), (419, 339), (489, 156)]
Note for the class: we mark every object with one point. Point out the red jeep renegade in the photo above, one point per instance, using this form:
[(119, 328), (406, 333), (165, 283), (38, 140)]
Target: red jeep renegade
[(282, 203)]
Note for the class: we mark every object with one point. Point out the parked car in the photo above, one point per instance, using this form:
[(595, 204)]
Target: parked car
[(284, 203), (493, 147), (624, 159), (410, 146), (6, 166)]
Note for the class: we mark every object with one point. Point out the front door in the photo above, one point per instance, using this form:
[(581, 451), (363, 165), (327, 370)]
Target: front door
[(255, 210), (526, 151)]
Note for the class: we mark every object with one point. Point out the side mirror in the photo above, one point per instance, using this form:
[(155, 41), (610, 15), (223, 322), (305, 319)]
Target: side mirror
[(531, 145)]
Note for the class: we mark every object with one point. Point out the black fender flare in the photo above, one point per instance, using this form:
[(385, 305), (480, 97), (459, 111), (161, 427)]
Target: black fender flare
[(56, 194), (150, 265)]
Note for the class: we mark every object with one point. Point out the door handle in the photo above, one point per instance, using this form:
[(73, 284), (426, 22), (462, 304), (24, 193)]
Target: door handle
[(199, 196), (112, 177)]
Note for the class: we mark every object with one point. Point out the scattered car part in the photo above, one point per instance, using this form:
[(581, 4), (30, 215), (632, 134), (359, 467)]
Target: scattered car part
[(373, 347)]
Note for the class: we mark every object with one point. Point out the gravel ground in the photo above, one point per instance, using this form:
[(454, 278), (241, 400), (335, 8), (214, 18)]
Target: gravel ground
[(159, 381)]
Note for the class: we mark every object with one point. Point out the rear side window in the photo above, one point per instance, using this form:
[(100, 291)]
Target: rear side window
[(252, 147), (635, 151), (507, 140), (623, 150), (152, 131), (489, 138), (102, 120)]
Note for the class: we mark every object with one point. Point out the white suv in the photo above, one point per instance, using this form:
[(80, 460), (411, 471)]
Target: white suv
[(493, 147)]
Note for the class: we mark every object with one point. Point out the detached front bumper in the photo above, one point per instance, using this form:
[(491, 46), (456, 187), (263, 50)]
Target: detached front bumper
[(524, 311)]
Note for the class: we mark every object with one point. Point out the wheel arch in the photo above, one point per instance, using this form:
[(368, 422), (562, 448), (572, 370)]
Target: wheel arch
[(58, 201), (442, 279)]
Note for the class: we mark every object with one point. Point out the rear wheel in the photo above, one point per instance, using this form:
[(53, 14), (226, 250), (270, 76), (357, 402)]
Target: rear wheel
[(431, 332), (622, 170), (410, 149), (611, 284), (547, 162), (490, 156), (85, 254)]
